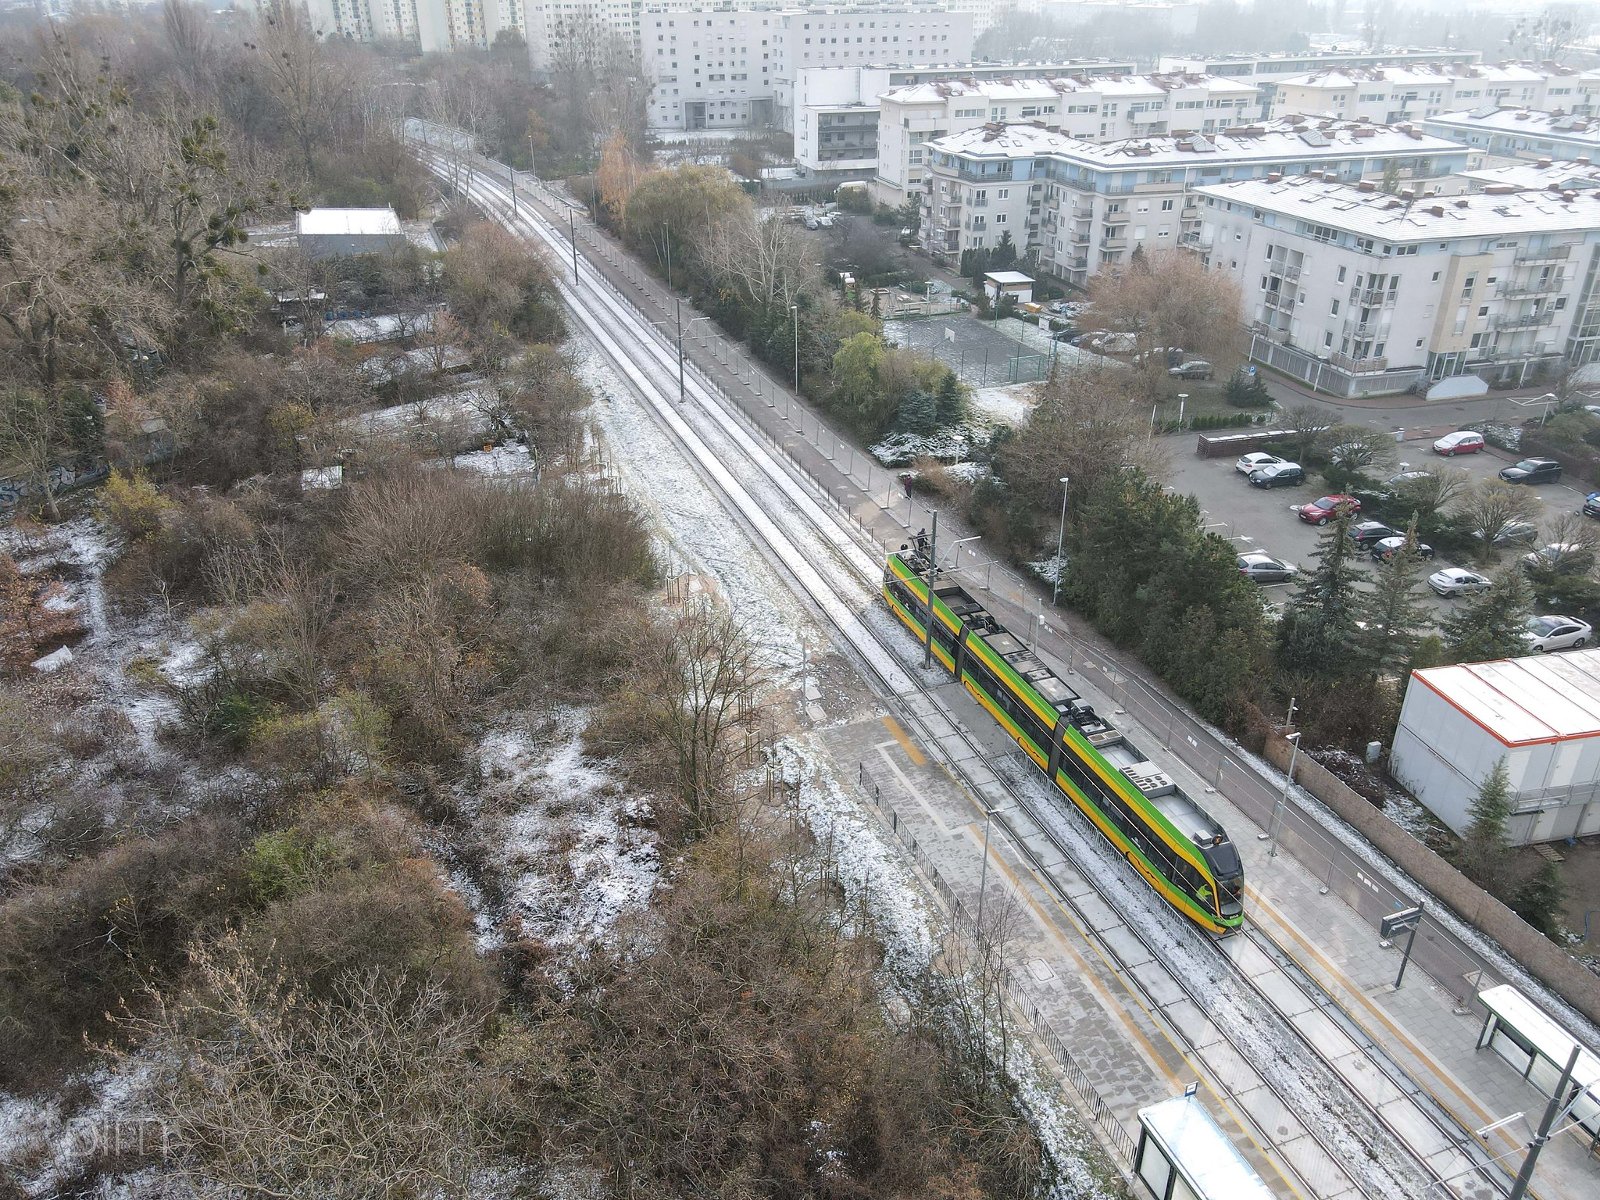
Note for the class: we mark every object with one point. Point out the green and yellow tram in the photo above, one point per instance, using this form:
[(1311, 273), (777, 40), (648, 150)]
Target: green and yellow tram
[(1169, 839)]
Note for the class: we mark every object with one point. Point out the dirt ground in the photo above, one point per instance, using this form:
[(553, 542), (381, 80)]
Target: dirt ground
[(1581, 870)]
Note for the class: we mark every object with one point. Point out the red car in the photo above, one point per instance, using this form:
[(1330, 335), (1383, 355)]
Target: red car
[(1325, 509)]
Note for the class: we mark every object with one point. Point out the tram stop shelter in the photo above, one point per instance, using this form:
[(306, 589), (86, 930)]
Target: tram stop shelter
[(1538, 1049), (1184, 1155)]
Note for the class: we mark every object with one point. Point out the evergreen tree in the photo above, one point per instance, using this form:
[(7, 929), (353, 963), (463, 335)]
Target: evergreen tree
[(1005, 253), (919, 413), (1394, 614), (1492, 623), (1538, 899), (952, 399), (1484, 846), (1318, 627)]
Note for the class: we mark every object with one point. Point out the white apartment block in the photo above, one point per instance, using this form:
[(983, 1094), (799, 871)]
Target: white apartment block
[(1074, 206), (433, 26), (1543, 175), (1094, 108), (1173, 18), (1358, 292), (1268, 70), (1394, 94), (725, 69), (1503, 135)]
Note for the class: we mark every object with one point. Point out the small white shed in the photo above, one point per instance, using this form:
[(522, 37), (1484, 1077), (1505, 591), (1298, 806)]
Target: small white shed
[(324, 232), (1540, 713), (1007, 283)]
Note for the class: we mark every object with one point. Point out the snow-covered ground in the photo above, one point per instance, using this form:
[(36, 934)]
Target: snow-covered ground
[(1008, 405)]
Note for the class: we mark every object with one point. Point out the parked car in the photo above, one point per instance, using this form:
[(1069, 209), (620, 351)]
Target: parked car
[(1405, 477), (1278, 474), (1323, 509), (1514, 533), (1457, 581), (1556, 633), (1263, 568), (1532, 470), (1386, 548), (1591, 505), (1465, 441), (1365, 533), (1257, 459), (1195, 368), (1564, 558)]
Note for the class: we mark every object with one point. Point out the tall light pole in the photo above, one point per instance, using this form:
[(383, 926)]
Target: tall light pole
[(1183, 399), (1061, 543), (1283, 798), (513, 171), (572, 233), (795, 309), (666, 240)]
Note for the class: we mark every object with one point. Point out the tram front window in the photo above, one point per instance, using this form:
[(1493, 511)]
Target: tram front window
[(1228, 895)]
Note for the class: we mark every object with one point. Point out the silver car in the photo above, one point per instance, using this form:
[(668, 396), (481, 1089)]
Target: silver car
[(1556, 633), (1456, 581), (1254, 461), (1263, 568)]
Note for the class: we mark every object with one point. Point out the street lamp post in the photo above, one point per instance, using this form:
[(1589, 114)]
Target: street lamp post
[(795, 309), (572, 234), (1183, 399), (1061, 542), (1283, 797)]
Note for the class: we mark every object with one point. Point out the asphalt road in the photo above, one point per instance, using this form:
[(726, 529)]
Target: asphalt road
[(1263, 519)]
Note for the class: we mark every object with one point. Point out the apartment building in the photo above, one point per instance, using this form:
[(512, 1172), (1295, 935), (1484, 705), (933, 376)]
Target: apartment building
[(433, 26), (1543, 175), (1268, 70), (1073, 206), (1359, 292), (726, 68), (1411, 93), (1105, 107), (1502, 135)]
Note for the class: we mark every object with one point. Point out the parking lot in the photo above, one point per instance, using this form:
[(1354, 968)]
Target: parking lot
[(1263, 519)]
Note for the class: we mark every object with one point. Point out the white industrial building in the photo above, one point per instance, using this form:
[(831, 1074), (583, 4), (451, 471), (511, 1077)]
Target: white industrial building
[(1356, 291), (1411, 93), (1094, 107), (1541, 714), (727, 68), (1074, 206), (1507, 134), (325, 232)]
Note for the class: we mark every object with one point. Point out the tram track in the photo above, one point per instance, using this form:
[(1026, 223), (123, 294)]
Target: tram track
[(1357, 1129)]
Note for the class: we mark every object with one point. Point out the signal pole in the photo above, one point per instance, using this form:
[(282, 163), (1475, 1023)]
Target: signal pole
[(933, 550)]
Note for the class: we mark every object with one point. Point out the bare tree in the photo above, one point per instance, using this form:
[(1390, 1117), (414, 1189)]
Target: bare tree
[(1167, 299), (702, 678), (1434, 491), (1491, 506), (299, 75), (263, 1090)]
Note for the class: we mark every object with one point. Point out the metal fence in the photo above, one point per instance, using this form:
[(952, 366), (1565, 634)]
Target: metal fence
[(963, 923)]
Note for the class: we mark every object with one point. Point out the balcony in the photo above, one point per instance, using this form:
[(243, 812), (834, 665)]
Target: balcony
[(1113, 243), (1358, 366), (1362, 329), (1080, 239), (1198, 240), (1282, 301), (1520, 320), (1283, 270), (1536, 287), (999, 175), (1370, 297), (1549, 254)]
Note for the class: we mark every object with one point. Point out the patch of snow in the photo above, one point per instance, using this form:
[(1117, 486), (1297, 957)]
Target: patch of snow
[(43, 1146), (1009, 405), (53, 661), (573, 850), (898, 449), (968, 472), (508, 461)]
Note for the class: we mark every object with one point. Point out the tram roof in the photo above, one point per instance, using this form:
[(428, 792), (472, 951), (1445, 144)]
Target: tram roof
[(1197, 1146)]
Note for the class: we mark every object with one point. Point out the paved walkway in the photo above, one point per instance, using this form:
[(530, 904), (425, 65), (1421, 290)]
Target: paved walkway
[(1308, 897)]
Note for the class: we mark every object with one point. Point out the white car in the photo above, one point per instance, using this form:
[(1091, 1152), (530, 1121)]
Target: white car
[(1454, 581), (1556, 633), (1254, 462)]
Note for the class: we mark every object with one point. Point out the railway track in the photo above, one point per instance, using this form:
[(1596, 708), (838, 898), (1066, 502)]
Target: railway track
[(1335, 1139)]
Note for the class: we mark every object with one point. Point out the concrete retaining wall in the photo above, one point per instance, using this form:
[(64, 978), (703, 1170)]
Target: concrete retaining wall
[(1541, 957)]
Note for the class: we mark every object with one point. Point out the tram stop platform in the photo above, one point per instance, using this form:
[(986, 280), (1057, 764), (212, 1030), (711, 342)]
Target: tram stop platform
[(1124, 1057)]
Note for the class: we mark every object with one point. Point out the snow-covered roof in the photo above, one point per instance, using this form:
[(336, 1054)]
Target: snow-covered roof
[(1291, 139), (1528, 122), (1043, 87), (1007, 277), (1524, 701), (1427, 218), (1417, 74), (345, 222), (1565, 174), (1192, 1139)]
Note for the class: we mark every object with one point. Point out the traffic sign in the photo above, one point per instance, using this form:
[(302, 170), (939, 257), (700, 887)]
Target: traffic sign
[(1400, 922)]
